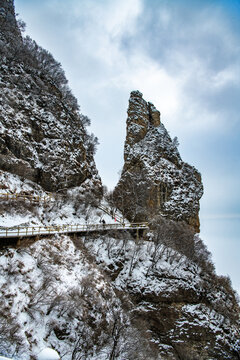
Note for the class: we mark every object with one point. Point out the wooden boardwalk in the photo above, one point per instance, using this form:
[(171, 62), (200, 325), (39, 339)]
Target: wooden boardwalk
[(29, 231)]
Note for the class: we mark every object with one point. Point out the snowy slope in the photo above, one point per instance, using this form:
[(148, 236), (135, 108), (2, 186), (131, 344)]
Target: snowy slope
[(71, 208), (88, 297), (53, 294)]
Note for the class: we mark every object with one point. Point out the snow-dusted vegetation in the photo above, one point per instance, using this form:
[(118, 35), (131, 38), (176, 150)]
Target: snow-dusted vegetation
[(75, 206)]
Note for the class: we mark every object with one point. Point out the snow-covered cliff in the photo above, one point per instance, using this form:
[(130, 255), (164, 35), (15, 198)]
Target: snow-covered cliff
[(43, 135)]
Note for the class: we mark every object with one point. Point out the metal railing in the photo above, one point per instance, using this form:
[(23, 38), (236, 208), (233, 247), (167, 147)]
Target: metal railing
[(31, 198), (28, 231), (110, 213)]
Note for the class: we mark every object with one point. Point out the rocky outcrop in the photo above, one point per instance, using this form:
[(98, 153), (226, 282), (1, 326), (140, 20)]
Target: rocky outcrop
[(187, 310), (154, 178), (43, 135), (9, 31)]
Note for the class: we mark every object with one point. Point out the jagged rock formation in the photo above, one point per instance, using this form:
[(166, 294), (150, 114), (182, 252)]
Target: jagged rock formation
[(154, 178), (42, 133)]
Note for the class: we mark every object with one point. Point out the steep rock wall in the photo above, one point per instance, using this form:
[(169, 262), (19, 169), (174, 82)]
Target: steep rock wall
[(154, 178), (42, 133), (9, 31)]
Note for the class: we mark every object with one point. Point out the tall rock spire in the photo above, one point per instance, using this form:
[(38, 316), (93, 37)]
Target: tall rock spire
[(155, 180)]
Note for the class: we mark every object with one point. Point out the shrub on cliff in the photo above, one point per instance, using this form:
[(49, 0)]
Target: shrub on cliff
[(182, 238)]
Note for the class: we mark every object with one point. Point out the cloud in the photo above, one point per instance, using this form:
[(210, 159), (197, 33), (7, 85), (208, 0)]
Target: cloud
[(199, 49), (184, 59)]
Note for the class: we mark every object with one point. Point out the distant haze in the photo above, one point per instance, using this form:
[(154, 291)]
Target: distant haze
[(184, 57)]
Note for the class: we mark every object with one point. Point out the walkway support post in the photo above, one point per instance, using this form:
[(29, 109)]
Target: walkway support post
[(137, 234)]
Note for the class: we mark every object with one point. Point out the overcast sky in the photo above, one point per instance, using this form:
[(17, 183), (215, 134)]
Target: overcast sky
[(184, 56)]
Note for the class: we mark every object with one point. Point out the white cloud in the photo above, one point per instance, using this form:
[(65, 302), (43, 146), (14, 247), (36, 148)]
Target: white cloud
[(226, 77), (120, 17), (99, 27), (181, 79)]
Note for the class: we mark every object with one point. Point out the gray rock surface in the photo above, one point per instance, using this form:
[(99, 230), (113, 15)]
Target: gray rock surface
[(9, 31), (154, 178)]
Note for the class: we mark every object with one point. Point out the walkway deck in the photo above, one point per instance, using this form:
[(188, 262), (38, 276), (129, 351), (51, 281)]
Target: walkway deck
[(19, 231)]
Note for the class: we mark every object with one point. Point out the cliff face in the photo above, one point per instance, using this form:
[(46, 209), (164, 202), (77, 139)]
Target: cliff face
[(42, 133), (9, 31), (154, 178)]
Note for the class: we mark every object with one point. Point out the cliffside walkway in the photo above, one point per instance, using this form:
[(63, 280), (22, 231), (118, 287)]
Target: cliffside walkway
[(28, 231)]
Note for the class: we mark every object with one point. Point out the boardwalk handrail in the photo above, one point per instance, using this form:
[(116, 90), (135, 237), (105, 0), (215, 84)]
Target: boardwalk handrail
[(110, 213), (32, 198), (21, 231)]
